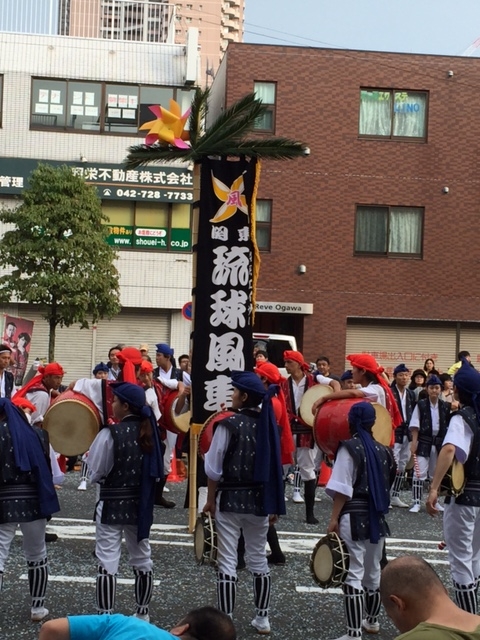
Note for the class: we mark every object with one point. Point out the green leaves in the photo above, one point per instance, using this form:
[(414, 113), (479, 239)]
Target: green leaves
[(56, 251)]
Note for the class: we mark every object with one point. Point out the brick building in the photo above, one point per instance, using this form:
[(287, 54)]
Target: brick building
[(371, 242)]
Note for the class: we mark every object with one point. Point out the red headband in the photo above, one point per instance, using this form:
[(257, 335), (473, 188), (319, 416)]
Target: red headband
[(269, 371), (129, 357), (52, 369), (365, 361), (23, 403), (296, 356), (146, 367)]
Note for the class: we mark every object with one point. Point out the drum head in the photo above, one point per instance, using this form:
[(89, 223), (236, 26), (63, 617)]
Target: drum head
[(382, 429), (182, 421), (309, 397), (71, 425), (458, 478), (329, 561), (199, 540)]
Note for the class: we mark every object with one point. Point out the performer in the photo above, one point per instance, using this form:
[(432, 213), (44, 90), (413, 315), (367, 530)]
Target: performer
[(298, 381), (405, 399), (367, 373), (41, 389), (346, 380), (125, 459), (461, 520), (244, 487), (206, 622), (359, 485), (428, 426), (27, 498), (269, 374), (7, 381)]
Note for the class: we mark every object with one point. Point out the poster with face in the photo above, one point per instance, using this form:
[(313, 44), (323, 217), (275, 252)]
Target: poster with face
[(17, 334)]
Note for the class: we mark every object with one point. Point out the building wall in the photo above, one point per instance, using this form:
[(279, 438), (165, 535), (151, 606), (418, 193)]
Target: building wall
[(315, 198)]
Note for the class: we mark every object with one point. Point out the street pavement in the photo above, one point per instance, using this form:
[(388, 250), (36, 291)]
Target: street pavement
[(300, 609)]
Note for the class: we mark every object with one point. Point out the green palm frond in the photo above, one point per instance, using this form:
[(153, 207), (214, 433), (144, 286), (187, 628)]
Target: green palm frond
[(198, 114), (224, 137)]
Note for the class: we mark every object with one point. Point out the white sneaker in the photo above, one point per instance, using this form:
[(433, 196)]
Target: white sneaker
[(82, 486), (318, 499), (370, 627), (142, 616), (415, 508), (396, 502), (261, 624), (345, 637), (166, 490), (297, 497), (439, 507), (286, 498), (38, 613)]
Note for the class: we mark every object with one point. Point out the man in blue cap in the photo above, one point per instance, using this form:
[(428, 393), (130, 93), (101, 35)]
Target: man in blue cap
[(245, 487), (461, 520), (405, 399), (360, 488), (126, 460), (428, 426), (346, 380)]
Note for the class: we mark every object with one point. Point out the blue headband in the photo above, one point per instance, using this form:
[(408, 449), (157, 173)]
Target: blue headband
[(401, 368), (130, 393), (101, 366), (162, 347), (348, 375), (362, 416), (434, 380), (249, 383)]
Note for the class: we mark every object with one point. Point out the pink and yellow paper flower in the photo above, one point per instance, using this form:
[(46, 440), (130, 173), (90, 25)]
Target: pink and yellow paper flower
[(169, 127)]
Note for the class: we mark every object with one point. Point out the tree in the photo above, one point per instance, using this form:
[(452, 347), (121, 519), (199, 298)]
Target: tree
[(57, 252)]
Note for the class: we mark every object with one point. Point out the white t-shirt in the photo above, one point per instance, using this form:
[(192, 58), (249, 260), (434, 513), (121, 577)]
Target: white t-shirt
[(415, 419), (461, 436), (343, 475), (375, 393)]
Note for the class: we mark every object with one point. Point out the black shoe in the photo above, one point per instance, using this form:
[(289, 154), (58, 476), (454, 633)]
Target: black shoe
[(166, 504), (51, 537), (312, 520), (279, 561)]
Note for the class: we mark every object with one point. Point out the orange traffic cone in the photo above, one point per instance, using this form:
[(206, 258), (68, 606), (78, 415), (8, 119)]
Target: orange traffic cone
[(324, 475), (173, 475)]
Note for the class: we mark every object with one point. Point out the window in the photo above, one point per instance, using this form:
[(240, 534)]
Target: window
[(389, 231), (266, 92), (393, 113), (263, 227), (148, 225), (98, 107)]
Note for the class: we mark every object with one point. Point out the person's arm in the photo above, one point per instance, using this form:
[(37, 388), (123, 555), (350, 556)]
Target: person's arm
[(414, 443), (337, 395), (55, 630), (100, 456), (210, 504), (214, 464), (444, 461), (338, 503), (334, 384)]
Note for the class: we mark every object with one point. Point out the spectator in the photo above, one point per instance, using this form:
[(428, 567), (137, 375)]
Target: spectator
[(455, 367), (201, 624), (418, 603), (184, 362), (429, 367), (100, 371), (261, 356), (346, 380), (417, 381), (323, 366)]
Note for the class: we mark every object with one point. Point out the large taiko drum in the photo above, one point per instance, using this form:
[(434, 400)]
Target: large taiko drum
[(72, 422), (208, 429), (310, 396), (179, 424), (331, 424)]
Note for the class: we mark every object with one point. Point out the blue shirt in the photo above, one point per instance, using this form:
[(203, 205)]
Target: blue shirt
[(114, 627)]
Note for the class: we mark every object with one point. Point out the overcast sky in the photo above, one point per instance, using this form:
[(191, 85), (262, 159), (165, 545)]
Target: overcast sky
[(414, 26)]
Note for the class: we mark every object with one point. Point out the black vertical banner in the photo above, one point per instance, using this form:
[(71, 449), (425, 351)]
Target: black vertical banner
[(222, 338)]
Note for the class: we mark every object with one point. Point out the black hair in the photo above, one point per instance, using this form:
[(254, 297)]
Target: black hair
[(417, 372), (117, 347), (260, 352), (444, 377), (208, 623), (25, 336), (182, 357), (463, 354), (12, 324), (5, 347), (326, 358)]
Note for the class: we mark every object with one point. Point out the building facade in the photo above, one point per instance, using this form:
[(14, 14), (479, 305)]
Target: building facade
[(370, 242), (80, 102)]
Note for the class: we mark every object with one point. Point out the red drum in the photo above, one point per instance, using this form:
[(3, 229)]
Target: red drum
[(208, 429), (331, 424), (179, 424), (72, 421)]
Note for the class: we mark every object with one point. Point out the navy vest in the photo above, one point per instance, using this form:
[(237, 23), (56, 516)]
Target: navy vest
[(403, 430), (471, 494), (120, 491), (426, 440), (18, 490), (240, 494), (357, 506)]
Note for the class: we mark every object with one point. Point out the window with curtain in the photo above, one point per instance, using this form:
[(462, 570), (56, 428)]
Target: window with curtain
[(393, 113), (263, 226), (266, 92), (389, 231)]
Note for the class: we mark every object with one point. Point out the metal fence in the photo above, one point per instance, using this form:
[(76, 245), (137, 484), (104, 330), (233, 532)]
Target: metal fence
[(141, 20)]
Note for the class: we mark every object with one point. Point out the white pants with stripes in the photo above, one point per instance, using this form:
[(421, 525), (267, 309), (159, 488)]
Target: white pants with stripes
[(34, 546), (426, 466), (170, 442), (229, 526), (364, 570), (461, 528), (401, 453)]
